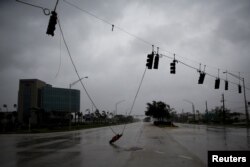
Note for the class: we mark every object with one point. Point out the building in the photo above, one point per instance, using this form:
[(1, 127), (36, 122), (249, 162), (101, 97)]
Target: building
[(35, 95), (28, 97), (60, 99)]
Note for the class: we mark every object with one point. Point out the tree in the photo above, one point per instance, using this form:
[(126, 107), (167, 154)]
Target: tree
[(217, 114), (5, 106), (104, 116), (158, 110)]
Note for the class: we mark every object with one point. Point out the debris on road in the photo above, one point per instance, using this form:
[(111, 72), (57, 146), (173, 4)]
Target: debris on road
[(115, 138)]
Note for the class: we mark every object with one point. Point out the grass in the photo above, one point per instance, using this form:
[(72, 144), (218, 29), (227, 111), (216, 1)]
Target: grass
[(62, 129)]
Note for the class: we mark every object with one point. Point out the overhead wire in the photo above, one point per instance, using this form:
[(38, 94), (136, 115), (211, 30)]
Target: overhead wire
[(46, 11), (107, 22), (137, 92), (130, 34), (87, 12), (72, 61), (56, 5), (138, 38), (60, 62), (185, 64), (146, 42)]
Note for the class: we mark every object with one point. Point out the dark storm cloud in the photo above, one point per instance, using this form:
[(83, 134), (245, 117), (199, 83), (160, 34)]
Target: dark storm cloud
[(208, 32)]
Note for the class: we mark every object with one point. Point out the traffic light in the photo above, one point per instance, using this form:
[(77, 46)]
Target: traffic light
[(226, 85), (239, 88), (172, 67), (156, 62), (52, 23), (150, 59), (201, 78), (217, 83)]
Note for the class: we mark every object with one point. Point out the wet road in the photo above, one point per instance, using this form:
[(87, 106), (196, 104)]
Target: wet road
[(142, 145)]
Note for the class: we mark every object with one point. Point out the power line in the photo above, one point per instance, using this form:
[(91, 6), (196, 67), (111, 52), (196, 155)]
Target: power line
[(60, 62), (107, 22), (130, 34), (46, 11), (71, 59), (131, 109), (87, 12), (187, 65)]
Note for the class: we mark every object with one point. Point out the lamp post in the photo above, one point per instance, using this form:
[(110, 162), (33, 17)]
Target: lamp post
[(193, 107), (70, 85), (244, 94), (117, 104)]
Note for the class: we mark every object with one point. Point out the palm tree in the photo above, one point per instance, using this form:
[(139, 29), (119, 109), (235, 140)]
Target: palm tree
[(5, 106), (80, 117), (104, 116), (158, 110), (15, 106)]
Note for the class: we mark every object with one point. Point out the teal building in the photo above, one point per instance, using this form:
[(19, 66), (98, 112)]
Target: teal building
[(36, 96), (60, 99)]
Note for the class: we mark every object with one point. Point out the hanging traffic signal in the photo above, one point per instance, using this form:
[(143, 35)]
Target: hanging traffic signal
[(217, 83), (239, 88), (201, 78), (150, 59), (156, 62), (52, 23), (172, 67), (226, 85)]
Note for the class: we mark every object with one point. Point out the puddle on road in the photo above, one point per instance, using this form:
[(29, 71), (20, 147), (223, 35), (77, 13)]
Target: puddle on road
[(135, 148)]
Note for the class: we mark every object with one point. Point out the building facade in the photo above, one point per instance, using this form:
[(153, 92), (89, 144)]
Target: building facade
[(60, 99), (28, 97), (35, 95)]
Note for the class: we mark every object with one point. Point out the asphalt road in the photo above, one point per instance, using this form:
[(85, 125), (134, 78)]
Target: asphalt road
[(142, 145)]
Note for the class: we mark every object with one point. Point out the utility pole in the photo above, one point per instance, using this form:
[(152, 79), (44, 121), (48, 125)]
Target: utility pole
[(223, 108), (193, 107), (182, 115), (206, 112), (245, 99)]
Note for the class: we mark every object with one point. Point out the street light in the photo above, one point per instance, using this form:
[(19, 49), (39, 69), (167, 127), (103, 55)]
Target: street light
[(70, 85), (193, 107), (117, 104), (245, 99)]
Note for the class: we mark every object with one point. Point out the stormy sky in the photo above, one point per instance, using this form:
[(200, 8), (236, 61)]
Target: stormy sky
[(213, 33)]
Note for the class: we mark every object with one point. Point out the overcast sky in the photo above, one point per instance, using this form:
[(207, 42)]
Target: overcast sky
[(213, 33)]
